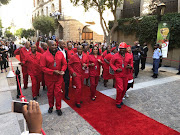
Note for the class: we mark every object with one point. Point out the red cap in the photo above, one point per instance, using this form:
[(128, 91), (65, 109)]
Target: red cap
[(128, 46), (123, 45), (113, 49)]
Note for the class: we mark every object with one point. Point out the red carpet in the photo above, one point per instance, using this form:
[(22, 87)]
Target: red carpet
[(18, 57), (103, 115)]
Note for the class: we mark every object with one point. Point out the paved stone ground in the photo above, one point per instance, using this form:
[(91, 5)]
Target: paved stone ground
[(160, 102)]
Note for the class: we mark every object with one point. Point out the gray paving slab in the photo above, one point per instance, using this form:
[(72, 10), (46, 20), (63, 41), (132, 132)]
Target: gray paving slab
[(9, 124), (5, 102)]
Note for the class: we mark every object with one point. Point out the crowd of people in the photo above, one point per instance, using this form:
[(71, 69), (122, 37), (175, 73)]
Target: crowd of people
[(55, 61)]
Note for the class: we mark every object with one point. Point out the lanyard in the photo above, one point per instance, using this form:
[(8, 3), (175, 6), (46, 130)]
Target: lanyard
[(122, 60)]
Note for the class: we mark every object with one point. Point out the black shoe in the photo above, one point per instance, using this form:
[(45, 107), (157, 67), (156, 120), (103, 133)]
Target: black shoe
[(50, 110), (178, 73), (122, 103), (105, 85), (59, 112), (66, 97), (39, 95), (118, 106), (34, 98), (78, 105), (155, 76)]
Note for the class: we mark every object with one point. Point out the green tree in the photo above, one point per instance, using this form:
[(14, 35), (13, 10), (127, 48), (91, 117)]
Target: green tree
[(27, 33), (8, 33), (1, 28), (101, 6), (45, 24), (19, 32), (4, 2)]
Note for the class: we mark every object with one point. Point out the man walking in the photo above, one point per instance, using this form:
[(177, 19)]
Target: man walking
[(23, 52), (53, 65), (120, 63)]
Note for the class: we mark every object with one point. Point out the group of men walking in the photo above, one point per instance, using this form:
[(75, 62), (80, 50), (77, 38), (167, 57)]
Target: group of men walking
[(54, 63)]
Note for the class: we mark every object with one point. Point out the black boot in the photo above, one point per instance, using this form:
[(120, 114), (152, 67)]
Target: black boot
[(59, 112), (155, 76), (50, 110)]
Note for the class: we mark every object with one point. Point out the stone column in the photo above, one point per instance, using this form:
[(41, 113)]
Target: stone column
[(141, 7), (178, 6)]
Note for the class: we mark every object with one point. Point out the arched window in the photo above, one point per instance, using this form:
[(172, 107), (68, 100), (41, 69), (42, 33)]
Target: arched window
[(52, 8), (87, 34)]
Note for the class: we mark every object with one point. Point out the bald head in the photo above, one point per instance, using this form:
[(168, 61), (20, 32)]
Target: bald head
[(33, 48), (52, 45), (79, 49), (27, 44), (62, 44)]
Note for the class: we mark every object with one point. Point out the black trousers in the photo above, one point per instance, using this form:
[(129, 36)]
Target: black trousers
[(66, 81), (3, 63), (136, 67), (143, 63)]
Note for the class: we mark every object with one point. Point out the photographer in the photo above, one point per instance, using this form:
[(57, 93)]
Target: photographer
[(136, 50)]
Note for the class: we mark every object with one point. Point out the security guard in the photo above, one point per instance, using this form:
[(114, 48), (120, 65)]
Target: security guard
[(156, 59)]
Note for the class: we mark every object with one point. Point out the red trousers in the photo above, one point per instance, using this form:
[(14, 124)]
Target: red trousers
[(121, 88), (94, 82), (25, 76), (78, 81), (35, 84), (54, 90)]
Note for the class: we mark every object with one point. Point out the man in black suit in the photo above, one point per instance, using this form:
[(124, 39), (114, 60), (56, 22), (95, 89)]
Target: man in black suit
[(144, 55), (66, 77)]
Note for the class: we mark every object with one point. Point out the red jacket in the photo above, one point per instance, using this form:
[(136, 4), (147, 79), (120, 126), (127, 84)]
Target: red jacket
[(75, 50), (47, 64), (108, 57), (92, 69), (33, 63), (104, 54), (117, 61), (70, 53), (22, 52), (75, 64)]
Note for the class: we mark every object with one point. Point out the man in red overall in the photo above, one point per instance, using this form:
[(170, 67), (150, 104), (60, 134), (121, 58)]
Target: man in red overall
[(34, 70), (120, 63), (77, 64), (23, 52), (53, 65)]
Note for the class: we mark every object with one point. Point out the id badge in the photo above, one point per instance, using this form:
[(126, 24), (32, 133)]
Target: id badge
[(95, 67), (54, 64), (123, 65)]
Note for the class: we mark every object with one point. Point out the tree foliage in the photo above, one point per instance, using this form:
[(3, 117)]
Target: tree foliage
[(8, 33), (27, 33), (4, 2), (146, 28), (101, 6), (45, 24), (18, 32)]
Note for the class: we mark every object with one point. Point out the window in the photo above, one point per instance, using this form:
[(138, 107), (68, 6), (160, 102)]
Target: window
[(87, 34)]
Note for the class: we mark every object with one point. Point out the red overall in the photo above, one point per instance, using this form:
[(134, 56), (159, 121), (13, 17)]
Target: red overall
[(116, 62), (86, 71), (23, 52), (34, 70), (106, 74), (49, 64), (70, 53), (75, 66), (94, 72)]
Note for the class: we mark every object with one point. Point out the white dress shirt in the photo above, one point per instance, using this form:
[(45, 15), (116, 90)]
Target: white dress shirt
[(63, 51)]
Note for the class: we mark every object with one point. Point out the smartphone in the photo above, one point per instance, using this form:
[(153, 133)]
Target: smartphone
[(17, 106)]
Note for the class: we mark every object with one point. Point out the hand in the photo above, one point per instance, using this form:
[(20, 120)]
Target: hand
[(128, 66), (119, 70), (84, 65), (99, 61), (56, 72), (74, 74), (92, 64), (33, 116), (61, 72)]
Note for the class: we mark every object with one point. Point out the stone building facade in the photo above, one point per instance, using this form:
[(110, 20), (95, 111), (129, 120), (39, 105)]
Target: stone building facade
[(72, 21)]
